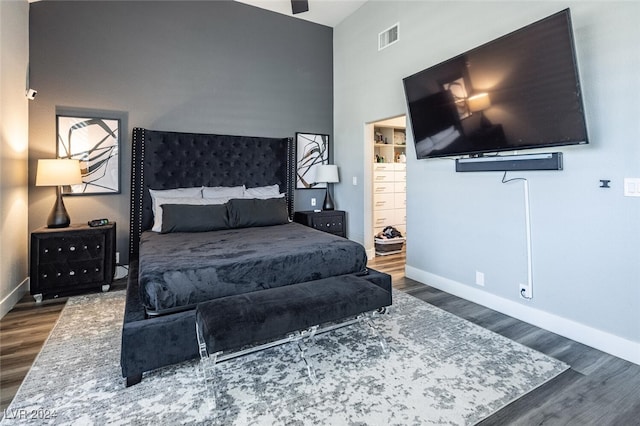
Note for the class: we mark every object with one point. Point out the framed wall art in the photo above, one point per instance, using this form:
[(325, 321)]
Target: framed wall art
[(311, 150), (95, 142)]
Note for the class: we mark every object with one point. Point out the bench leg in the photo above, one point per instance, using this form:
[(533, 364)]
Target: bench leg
[(373, 328), (311, 372), (300, 338), (206, 369)]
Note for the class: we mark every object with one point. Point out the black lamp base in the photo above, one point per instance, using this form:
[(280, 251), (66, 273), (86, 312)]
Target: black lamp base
[(58, 218), (328, 201)]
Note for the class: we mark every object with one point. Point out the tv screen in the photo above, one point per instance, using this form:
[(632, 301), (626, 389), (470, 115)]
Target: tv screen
[(519, 91)]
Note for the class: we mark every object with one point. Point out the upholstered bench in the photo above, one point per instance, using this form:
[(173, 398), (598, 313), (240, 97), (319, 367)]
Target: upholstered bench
[(230, 323)]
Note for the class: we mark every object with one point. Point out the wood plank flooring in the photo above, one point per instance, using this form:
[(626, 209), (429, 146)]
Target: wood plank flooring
[(599, 389)]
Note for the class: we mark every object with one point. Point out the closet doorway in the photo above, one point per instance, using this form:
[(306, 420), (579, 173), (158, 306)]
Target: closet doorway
[(385, 219)]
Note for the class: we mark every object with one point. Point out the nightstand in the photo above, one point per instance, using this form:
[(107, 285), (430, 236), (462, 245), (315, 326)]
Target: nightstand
[(70, 260), (331, 221)]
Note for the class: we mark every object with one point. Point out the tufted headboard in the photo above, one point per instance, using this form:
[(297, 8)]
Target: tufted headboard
[(167, 160)]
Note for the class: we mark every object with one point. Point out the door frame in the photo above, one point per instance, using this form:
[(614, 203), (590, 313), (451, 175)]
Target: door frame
[(368, 176)]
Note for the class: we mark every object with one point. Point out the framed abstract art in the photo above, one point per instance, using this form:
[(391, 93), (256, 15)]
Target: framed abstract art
[(311, 150), (95, 141)]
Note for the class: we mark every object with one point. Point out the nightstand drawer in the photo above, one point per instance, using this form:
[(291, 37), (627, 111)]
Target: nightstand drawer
[(331, 221), (333, 224), (70, 274), (53, 250)]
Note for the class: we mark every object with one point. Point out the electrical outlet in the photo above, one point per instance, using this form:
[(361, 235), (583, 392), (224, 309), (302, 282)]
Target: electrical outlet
[(313, 202), (525, 291), (632, 187), (480, 278)]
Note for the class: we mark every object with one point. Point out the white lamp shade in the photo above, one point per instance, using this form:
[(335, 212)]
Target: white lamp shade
[(56, 172), (479, 102), (327, 173)]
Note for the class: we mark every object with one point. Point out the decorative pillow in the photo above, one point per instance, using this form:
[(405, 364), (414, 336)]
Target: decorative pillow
[(157, 218), (223, 191), (195, 192), (248, 212), (193, 218), (264, 196), (271, 191), (176, 193)]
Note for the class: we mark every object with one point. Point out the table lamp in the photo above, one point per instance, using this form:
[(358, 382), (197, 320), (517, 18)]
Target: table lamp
[(327, 173), (58, 172), (478, 103)]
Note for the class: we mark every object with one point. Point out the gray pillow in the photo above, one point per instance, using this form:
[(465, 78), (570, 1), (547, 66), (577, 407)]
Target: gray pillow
[(247, 212), (193, 218)]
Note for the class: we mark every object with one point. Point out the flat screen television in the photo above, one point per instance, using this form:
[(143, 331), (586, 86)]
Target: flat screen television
[(520, 91)]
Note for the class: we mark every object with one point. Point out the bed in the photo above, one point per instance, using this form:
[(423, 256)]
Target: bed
[(219, 246)]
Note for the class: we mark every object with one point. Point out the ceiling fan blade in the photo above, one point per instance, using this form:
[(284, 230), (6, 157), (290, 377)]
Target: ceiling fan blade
[(299, 6)]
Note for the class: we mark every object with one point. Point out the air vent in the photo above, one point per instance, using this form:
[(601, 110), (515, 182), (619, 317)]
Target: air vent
[(389, 36)]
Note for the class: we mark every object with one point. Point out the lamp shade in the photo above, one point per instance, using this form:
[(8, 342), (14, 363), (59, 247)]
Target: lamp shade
[(327, 173), (56, 172), (479, 102)]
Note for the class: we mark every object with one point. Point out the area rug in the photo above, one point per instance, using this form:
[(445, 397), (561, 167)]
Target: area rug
[(439, 369)]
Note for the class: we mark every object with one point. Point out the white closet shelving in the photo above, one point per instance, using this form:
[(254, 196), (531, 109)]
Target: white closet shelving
[(389, 179)]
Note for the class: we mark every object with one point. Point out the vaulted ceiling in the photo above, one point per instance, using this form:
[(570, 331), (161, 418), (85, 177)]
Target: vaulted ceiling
[(325, 12)]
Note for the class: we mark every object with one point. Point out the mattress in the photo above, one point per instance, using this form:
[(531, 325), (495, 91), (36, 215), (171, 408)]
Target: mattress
[(179, 270)]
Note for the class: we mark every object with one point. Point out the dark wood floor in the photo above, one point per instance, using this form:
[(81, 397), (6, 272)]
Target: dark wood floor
[(599, 389)]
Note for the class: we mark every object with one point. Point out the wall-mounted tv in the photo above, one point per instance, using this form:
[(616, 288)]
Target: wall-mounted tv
[(519, 91)]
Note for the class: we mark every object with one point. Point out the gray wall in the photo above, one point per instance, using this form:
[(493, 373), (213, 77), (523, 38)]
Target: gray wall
[(215, 67), (586, 262)]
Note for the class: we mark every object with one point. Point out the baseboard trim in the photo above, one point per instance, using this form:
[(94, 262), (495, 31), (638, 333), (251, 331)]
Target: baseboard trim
[(12, 298), (371, 253), (598, 339)]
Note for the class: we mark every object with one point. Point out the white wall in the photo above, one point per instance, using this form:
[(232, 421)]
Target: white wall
[(14, 129), (586, 262)]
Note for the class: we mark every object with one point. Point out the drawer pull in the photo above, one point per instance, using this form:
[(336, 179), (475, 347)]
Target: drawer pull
[(45, 275), (72, 248), (98, 246), (46, 250), (72, 273), (84, 271), (59, 249)]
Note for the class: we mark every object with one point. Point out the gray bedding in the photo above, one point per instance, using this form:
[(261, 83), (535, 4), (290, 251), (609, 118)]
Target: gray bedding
[(179, 270)]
